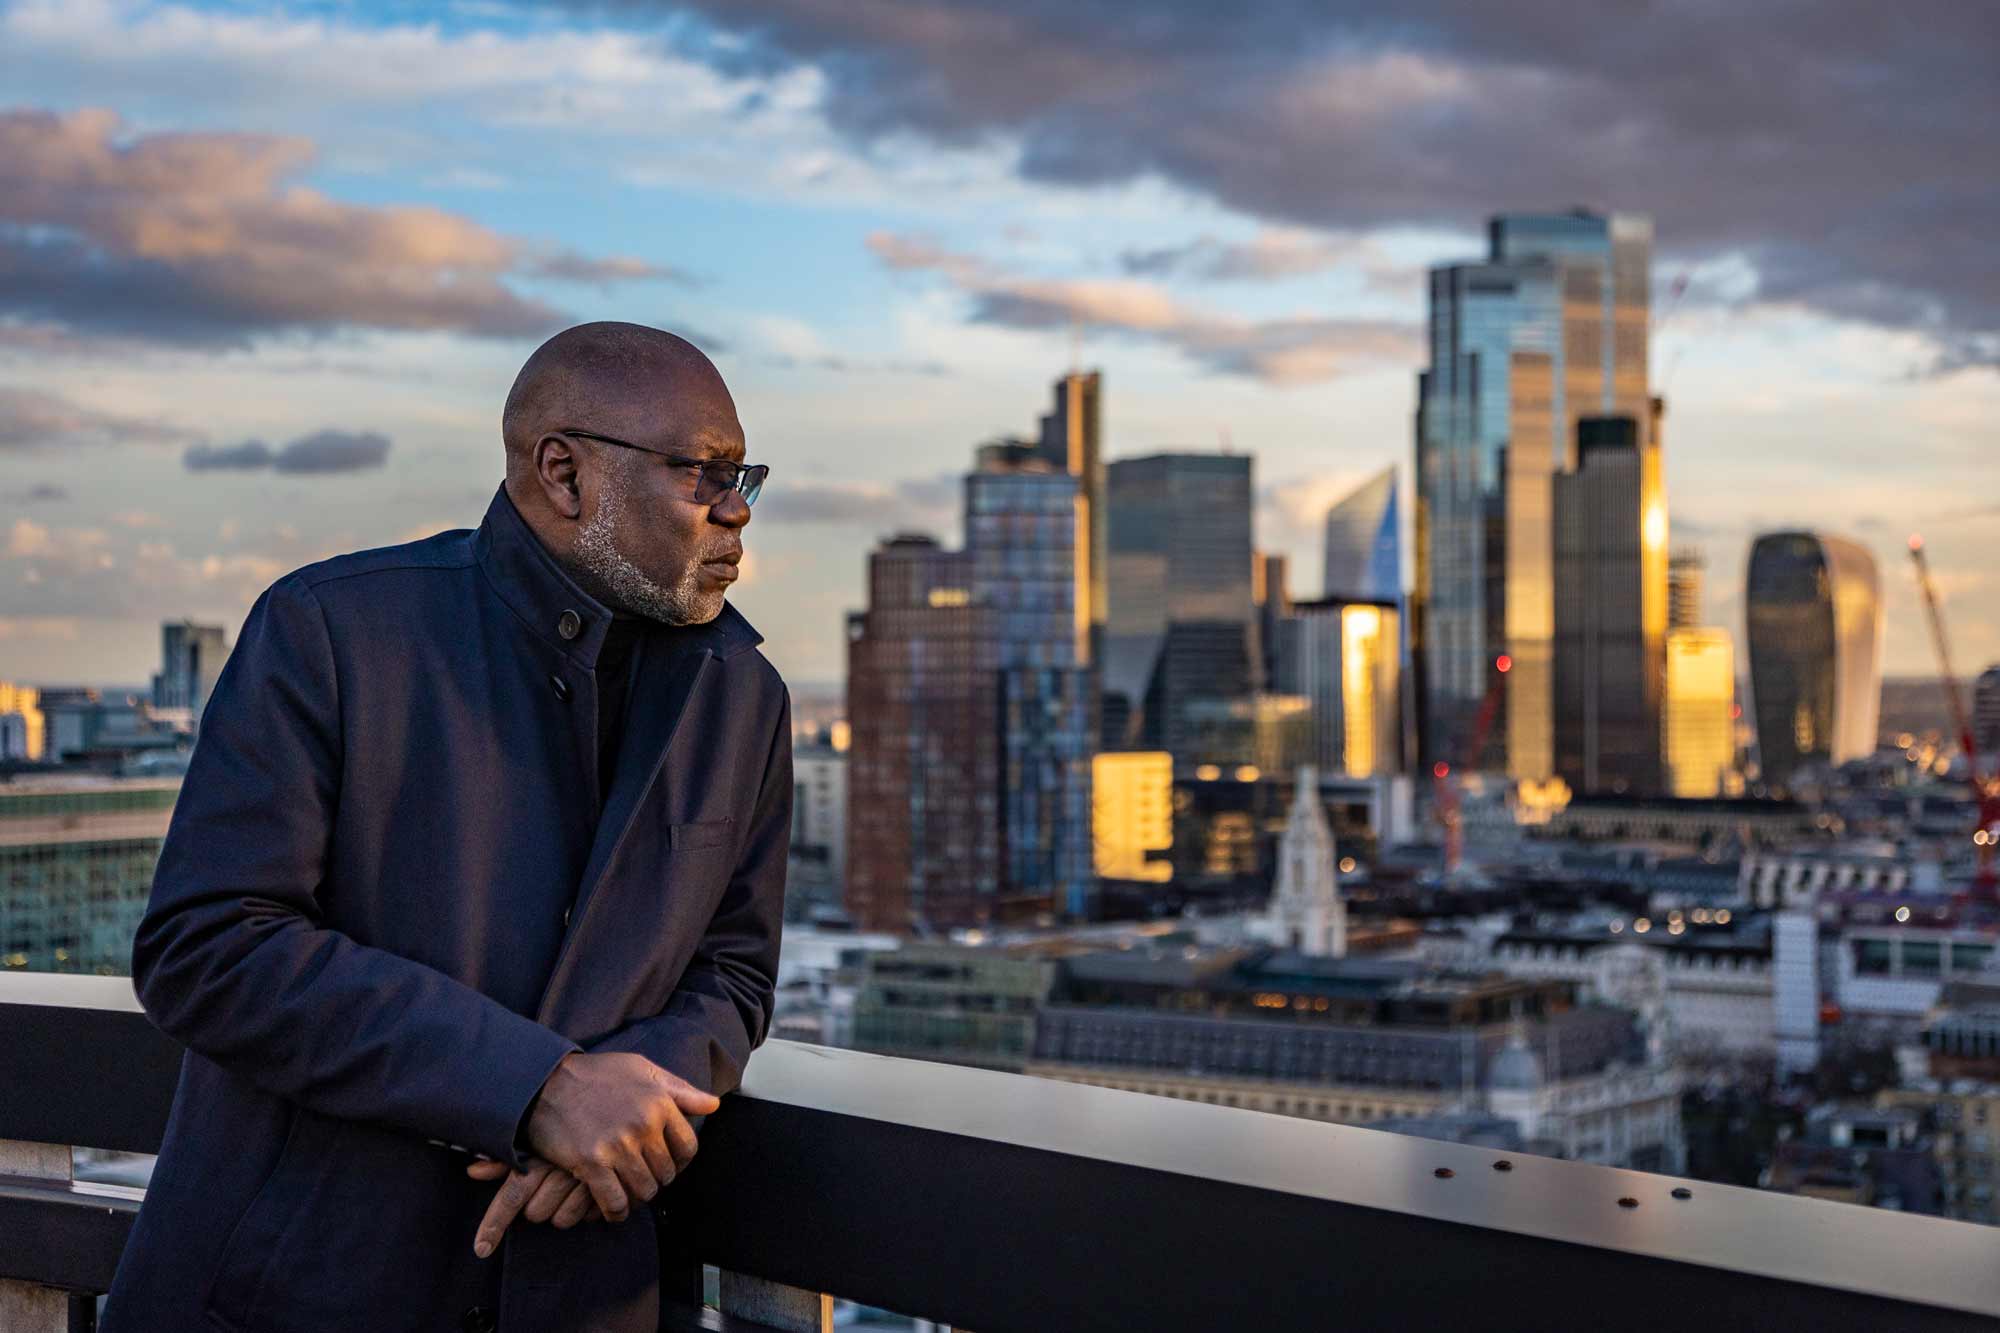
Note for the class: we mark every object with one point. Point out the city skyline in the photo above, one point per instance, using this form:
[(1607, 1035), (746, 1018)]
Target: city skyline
[(1385, 565), (883, 288)]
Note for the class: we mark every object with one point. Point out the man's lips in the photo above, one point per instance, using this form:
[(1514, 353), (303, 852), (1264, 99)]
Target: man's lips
[(723, 566)]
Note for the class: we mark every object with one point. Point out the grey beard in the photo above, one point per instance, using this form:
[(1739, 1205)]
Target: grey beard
[(631, 590)]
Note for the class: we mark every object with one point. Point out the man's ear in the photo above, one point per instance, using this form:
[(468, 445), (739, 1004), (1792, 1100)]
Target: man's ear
[(555, 470)]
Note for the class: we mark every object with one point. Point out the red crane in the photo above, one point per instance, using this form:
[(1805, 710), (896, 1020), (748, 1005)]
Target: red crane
[(1985, 786), (1444, 791)]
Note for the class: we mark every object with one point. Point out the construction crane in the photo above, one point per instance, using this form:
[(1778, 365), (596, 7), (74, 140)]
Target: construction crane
[(1445, 790), (1985, 786)]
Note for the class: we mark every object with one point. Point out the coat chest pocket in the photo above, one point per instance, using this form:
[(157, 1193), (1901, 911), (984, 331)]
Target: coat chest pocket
[(701, 834)]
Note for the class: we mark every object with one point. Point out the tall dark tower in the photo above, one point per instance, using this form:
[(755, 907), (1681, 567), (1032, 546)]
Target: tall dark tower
[(1182, 614), (1610, 621)]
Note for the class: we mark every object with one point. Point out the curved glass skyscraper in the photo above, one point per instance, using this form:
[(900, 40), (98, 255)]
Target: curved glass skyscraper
[(1364, 556), (1813, 609)]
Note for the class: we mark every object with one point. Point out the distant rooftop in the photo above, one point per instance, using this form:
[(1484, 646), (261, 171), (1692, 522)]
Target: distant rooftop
[(37, 784)]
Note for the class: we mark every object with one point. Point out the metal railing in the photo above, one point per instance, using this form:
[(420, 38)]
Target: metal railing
[(1004, 1203)]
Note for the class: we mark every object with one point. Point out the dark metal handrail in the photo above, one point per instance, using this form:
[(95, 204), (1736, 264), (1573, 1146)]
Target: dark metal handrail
[(1000, 1202)]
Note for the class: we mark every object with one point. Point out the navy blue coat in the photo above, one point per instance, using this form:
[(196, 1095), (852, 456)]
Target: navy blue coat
[(389, 903)]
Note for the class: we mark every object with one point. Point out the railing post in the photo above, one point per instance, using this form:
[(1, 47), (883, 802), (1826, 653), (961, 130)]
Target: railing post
[(26, 1307), (775, 1305)]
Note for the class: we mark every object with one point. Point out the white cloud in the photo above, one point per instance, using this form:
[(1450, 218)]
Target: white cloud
[(60, 628), (420, 96), (1286, 350)]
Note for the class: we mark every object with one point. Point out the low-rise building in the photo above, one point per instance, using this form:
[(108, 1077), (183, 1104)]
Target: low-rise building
[(1716, 975), (1890, 967), (1674, 819), (77, 855), (1775, 880), (21, 722), (957, 1004), (1361, 1040), (1875, 1156), (1963, 1120), (816, 872), (85, 726)]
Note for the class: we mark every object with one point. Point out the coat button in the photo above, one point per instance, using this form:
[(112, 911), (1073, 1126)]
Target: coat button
[(569, 624), (479, 1319), (562, 687)]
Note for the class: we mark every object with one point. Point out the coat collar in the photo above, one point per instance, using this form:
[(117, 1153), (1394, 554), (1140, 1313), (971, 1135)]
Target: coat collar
[(542, 593)]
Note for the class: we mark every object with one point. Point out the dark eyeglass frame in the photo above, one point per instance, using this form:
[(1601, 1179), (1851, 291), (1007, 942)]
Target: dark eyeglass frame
[(746, 479)]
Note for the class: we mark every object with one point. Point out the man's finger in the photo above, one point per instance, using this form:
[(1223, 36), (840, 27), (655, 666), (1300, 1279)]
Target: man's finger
[(660, 1161), (574, 1208), (637, 1177), (605, 1190), (506, 1206), (555, 1187), (487, 1169), (680, 1139)]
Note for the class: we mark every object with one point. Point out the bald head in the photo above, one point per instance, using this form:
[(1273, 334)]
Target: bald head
[(586, 376), (603, 431)]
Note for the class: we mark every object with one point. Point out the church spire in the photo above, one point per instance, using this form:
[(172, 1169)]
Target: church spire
[(1307, 913)]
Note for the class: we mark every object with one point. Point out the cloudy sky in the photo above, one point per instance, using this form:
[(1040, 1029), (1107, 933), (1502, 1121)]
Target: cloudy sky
[(266, 273)]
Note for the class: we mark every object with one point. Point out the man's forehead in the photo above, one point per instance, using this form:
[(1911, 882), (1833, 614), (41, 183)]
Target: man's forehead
[(697, 419), (713, 441)]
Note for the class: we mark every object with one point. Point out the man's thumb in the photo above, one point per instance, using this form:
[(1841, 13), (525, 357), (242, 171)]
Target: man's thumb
[(685, 1094)]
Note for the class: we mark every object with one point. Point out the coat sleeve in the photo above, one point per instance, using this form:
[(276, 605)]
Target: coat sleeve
[(234, 960), (722, 1008)]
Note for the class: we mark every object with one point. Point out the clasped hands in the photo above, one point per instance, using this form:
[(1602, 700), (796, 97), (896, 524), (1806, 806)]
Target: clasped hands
[(608, 1130)]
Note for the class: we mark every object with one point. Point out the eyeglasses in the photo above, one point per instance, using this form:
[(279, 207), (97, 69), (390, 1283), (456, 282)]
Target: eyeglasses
[(718, 477)]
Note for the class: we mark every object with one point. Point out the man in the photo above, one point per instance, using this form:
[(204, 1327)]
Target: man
[(477, 873)]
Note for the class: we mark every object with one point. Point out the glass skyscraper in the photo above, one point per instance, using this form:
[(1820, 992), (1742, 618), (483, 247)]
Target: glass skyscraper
[(1025, 523), (923, 842), (191, 657), (1364, 554), (969, 703), (1549, 328), (1346, 658), (1610, 612), (1181, 613), (1813, 609), (1071, 440)]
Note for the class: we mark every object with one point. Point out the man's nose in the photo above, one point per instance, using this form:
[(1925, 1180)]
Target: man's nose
[(731, 511)]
